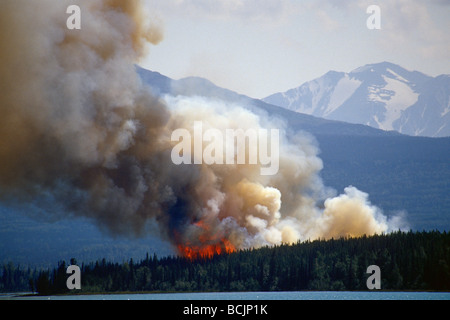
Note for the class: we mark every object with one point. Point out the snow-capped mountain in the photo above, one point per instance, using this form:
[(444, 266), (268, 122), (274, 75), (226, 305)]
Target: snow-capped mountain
[(161, 85), (383, 95)]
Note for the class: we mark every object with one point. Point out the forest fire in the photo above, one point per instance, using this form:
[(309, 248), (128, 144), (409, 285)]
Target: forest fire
[(207, 244), (87, 138), (194, 252)]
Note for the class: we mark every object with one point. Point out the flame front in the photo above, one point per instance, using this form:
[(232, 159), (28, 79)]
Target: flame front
[(207, 251), (206, 244)]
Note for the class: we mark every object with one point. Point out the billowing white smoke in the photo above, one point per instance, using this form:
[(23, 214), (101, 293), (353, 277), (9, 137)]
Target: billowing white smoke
[(253, 210), (81, 135)]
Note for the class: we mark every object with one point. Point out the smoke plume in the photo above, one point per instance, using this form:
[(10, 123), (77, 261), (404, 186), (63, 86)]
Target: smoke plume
[(82, 135)]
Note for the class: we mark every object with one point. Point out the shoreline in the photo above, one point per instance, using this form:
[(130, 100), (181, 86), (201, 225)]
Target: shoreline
[(124, 293)]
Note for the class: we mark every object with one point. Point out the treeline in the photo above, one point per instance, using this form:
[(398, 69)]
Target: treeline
[(408, 261), (17, 279)]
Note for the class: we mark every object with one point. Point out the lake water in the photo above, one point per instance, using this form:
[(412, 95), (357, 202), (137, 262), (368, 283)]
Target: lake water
[(315, 295)]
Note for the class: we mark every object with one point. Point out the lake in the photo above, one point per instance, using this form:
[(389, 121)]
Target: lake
[(251, 296)]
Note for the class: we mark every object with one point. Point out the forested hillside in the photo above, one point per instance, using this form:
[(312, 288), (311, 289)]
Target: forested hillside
[(408, 261)]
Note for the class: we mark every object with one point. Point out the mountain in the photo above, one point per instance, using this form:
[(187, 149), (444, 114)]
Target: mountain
[(195, 86), (383, 95)]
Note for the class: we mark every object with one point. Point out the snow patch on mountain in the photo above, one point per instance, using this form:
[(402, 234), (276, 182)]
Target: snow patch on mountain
[(344, 89), (446, 110), (399, 97), (382, 95), (398, 77)]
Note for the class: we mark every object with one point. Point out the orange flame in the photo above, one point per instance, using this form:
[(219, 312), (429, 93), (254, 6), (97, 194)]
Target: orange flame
[(208, 245), (195, 252)]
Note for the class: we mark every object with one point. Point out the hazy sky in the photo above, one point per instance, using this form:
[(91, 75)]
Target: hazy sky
[(259, 47)]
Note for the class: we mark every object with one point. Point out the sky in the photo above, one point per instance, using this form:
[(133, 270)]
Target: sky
[(260, 47)]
